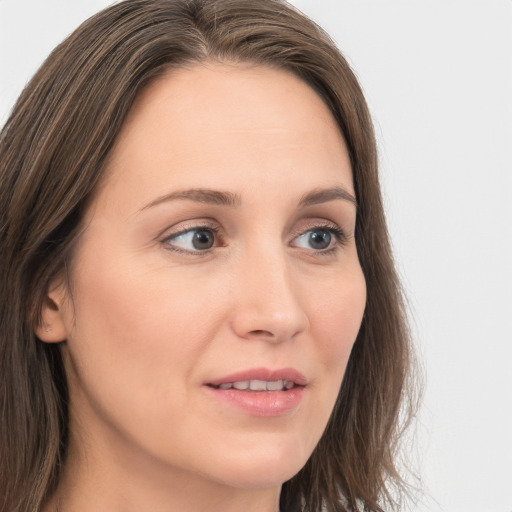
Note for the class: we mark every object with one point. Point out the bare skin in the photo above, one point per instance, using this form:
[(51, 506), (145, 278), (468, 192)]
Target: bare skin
[(220, 241)]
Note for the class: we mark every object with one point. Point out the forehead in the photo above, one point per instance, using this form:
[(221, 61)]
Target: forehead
[(217, 122)]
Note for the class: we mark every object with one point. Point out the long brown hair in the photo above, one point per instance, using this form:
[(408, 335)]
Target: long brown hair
[(53, 150)]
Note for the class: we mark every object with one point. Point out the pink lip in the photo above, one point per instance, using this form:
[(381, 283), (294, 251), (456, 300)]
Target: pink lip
[(261, 403)]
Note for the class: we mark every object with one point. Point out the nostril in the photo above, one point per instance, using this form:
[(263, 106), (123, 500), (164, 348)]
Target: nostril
[(269, 336), (262, 333)]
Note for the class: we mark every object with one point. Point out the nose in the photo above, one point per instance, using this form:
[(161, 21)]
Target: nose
[(267, 300)]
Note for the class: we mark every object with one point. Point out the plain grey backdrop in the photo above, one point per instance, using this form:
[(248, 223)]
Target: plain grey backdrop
[(438, 78)]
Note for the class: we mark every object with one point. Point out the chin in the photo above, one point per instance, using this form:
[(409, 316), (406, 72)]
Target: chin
[(266, 468)]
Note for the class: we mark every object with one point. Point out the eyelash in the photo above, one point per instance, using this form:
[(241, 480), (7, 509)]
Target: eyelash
[(206, 227), (340, 238)]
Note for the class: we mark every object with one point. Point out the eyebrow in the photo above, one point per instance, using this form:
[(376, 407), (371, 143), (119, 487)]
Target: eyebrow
[(222, 198), (324, 195), (200, 195)]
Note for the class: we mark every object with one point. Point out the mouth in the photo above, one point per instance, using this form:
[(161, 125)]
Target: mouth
[(261, 379), (258, 385), (261, 392)]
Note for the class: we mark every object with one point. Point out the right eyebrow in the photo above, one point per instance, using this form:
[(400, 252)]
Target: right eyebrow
[(199, 195)]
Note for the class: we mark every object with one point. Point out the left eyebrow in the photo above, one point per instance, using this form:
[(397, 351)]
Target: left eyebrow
[(324, 195)]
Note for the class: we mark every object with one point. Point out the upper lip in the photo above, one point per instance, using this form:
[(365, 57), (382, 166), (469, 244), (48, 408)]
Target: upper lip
[(265, 374)]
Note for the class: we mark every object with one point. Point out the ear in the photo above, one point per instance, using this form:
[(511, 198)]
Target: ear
[(52, 328)]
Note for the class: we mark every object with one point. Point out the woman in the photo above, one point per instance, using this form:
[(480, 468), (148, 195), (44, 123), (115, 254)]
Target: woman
[(199, 307)]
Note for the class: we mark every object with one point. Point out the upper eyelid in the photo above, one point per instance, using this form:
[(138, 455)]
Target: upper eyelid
[(317, 224), (186, 226)]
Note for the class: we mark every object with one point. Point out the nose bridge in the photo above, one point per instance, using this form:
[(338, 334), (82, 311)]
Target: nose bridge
[(267, 300)]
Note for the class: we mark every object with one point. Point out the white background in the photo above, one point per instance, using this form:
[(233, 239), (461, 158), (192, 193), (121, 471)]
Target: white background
[(438, 78)]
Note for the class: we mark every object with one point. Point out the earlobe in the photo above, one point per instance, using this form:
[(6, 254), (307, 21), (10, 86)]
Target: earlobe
[(52, 328)]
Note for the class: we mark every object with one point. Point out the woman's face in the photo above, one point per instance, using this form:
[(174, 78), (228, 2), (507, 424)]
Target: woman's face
[(218, 254)]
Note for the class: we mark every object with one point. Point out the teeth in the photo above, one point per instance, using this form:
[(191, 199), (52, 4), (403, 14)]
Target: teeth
[(259, 385), (276, 385)]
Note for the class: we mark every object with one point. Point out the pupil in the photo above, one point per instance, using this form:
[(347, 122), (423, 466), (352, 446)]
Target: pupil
[(320, 239), (203, 240)]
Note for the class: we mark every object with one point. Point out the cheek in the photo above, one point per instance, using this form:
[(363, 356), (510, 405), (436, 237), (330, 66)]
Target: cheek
[(339, 313), (337, 318), (136, 310), (139, 334), (134, 347)]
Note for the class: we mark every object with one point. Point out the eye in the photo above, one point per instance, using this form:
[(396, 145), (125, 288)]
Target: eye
[(192, 240), (320, 239)]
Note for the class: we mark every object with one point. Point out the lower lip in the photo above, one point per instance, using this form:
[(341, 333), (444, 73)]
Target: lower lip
[(261, 403)]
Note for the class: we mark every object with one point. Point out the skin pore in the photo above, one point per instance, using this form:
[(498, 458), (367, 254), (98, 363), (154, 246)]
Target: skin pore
[(220, 241)]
